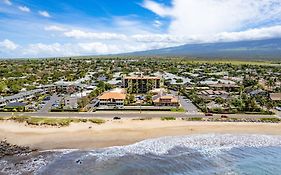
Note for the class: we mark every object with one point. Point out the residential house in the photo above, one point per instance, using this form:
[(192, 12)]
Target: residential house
[(115, 98), (18, 106), (165, 100), (211, 94), (226, 87), (275, 97)]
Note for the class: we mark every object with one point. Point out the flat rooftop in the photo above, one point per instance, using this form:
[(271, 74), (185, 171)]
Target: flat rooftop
[(141, 77)]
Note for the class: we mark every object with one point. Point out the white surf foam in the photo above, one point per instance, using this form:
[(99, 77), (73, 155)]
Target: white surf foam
[(209, 145), (25, 167)]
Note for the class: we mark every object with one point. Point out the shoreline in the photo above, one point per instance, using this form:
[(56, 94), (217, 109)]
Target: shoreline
[(119, 133)]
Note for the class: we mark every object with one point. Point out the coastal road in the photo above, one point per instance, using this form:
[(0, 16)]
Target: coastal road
[(126, 114)]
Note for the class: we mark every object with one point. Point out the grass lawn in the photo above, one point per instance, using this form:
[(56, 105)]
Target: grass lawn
[(177, 110)]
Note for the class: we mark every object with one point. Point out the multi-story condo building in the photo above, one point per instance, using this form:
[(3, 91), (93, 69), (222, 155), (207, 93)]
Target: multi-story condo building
[(141, 84)]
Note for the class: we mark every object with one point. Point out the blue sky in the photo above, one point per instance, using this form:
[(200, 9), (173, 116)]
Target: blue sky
[(30, 28)]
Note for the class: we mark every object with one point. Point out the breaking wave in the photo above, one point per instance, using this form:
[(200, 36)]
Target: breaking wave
[(209, 145)]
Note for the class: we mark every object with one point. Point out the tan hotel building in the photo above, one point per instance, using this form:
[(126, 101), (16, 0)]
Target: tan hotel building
[(141, 84)]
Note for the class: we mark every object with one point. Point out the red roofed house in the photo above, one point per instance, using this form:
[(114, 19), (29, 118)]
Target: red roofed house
[(113, 99), (165, 100)]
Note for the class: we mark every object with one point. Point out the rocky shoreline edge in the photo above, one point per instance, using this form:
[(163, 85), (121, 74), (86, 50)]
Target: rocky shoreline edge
[(8, 149)]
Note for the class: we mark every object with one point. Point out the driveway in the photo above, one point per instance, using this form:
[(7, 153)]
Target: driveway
[(188, 106)]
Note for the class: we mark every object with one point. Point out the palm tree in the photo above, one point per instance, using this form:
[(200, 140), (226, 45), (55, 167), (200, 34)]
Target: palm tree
[(270, 83), (241, 91)]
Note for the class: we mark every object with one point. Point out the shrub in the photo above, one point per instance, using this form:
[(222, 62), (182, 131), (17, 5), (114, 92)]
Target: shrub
[(194, 119), (2, 118), (177, 110), (48, 121), (273, 120), (168, 118), (144, 118), (20, 118), (97, 121)]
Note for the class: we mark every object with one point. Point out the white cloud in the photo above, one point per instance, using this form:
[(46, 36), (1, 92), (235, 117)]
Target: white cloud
[(8, 2), (135, 43), (79, 34), (85, 48), (7, 45), (44, 13), (55, 28), (251, 34), (55, 49), (157, 8), (24, 8), (157, 23), (193, 17), (97, 47)]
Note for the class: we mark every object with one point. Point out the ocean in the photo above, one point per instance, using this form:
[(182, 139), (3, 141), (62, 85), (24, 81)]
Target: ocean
[(216, 154)]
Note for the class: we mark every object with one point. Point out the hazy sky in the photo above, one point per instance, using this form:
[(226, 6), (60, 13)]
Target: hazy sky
[(35, 28)]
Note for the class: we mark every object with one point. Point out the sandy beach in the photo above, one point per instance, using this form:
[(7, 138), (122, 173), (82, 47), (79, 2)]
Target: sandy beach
[(116, 133)]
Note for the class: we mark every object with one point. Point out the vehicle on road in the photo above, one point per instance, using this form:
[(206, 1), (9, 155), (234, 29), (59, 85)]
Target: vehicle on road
[(116, 118), (208, 114), (224, 116), (278, 108)]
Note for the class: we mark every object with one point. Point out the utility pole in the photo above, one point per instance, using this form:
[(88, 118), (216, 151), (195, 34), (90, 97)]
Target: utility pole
[(140, 106)]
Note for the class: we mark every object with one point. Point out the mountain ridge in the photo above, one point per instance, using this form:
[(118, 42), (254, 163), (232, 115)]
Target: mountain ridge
[(251, 49)]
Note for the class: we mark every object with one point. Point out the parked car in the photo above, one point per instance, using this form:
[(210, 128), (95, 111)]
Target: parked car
[(47, 98), (116, 118), (224, 116), (55, 105), (278, 108), (208, 114)]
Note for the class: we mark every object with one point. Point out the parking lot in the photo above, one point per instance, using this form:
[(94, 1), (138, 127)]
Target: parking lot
[(49, 102)]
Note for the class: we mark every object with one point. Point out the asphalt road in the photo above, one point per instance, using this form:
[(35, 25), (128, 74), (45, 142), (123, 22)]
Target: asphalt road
[(98, 114), (125, 114)]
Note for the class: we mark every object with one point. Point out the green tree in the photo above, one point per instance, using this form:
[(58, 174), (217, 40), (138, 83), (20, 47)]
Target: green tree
[(3, 87), (82, 102), (131, 98), (15, 88), (149, 98)]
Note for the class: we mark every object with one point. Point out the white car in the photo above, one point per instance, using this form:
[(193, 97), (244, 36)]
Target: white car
[(278, 108)]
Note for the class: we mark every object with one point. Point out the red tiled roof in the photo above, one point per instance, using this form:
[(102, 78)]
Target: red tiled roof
[(112, 95)]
